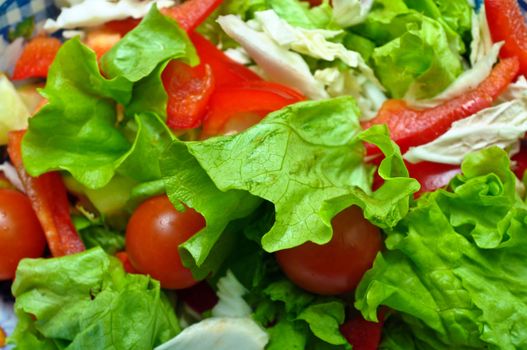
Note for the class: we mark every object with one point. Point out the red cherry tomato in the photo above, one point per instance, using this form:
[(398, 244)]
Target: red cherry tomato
[(362, 334), (335, 267), (153, 235), (21, 235)]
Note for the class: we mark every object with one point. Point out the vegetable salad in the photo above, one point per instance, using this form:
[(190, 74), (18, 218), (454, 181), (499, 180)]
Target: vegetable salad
[(265, 174)]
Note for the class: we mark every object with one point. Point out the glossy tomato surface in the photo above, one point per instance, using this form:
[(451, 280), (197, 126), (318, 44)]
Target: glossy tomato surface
[(21, 235), (335, 267), (153, 235)]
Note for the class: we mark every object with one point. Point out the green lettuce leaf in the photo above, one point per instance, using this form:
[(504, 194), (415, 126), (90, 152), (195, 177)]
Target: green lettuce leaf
[(94, 233), (417, 51), (456, 14), (87, 301), (306, 159), (455, 267), (78, 130), (301, 14), (293, 318), (187, 182), (140, 51)]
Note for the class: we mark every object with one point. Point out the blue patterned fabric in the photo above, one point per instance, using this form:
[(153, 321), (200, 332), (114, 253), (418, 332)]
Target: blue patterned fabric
[(14, 11)]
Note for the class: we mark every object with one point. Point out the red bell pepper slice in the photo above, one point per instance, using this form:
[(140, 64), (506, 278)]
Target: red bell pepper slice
[(506, 23), (362, 334), (411, 127), (189, 90), (225, 70), (36, 58), (519, 161), (192, 13), (49, 199), (125, 260), (432, 176), (189, 15), (249, 97)]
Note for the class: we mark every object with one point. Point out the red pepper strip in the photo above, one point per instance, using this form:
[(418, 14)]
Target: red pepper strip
[(189, 15), (225, 70), (36, 58), (125, 260), (249, 97), (49, 199), (432, 176), (410, 127), (362, 334), (192, 13), (506, 23), (189, 90), (520, 160)]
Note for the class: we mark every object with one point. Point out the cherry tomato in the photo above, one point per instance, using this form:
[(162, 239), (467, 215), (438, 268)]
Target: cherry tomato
[(153, 235), (336, 267), (21, 235), (362, 334)]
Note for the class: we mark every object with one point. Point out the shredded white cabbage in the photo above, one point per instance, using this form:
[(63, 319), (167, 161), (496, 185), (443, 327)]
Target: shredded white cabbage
[(219, 333), (347, 13), (91, 13), (278, 63), (276, 46), (231, 302), (503, 126), (12, 176), (368, 95)]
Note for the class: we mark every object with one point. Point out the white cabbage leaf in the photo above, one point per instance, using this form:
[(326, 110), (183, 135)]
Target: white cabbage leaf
[(279, 64), (219, 333), (502, 125), (347, 13), (277, 48), (92, 13), (231, 302)]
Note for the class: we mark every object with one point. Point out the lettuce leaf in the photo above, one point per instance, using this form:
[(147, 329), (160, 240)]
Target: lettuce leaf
[(87, 301), (78, 130), (455, 267), (416, 49), (306, 159)]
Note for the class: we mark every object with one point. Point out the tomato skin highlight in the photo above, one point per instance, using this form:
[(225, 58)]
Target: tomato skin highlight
[(153, 235), (411, 127), (36, 58), (336, 267), (506, 23), (21, 235)]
